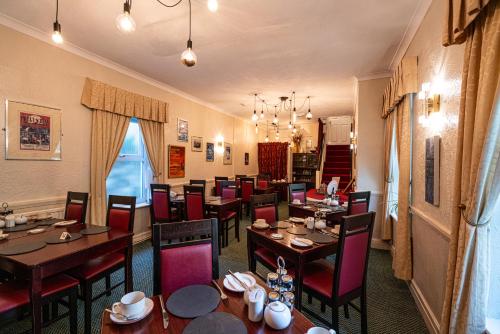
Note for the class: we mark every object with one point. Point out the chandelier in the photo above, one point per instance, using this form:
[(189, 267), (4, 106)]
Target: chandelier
[(126, 24)]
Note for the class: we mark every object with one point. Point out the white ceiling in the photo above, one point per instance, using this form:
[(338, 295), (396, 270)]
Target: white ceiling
[(315, 47)]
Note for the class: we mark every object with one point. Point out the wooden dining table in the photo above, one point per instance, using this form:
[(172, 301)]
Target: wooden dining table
[(234, 304), (334, 217), (58, 258), (296, 256)]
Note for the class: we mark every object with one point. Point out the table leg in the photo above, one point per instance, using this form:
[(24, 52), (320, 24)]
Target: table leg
[(36, 300), (129, 280), (298, 283), (252, 262)]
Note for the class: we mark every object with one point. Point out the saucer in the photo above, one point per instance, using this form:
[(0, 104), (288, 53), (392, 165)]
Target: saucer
[(147, 310), (3, 236), (65, 223), (301, 242), (260, 226), (277, 236)]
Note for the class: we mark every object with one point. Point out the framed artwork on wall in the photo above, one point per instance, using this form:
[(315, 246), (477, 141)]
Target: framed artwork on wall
[(196, 144), (210, 152), (432, 146), (176, 161), (228, 154), (33, 132), (247, 158), (182, 130)]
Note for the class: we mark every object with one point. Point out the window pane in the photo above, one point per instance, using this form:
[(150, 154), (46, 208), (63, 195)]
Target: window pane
[(132, 143), (125, 179)]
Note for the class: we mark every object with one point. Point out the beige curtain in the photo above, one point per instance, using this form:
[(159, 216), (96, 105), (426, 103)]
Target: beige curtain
[(108, 134), (386, 219), (153, 135), (402, 260), (477, 179), (459, 16)]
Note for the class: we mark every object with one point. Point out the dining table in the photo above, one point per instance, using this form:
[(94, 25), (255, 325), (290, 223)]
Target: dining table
[(333, 214), (53, 259), (296, 256), (234, 304)]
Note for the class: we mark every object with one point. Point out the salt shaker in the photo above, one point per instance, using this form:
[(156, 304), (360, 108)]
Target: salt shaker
[(256, 301)]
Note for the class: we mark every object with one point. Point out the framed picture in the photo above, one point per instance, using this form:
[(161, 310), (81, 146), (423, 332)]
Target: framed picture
[(210, 152), (228, 154), (247, 158), (432, 145), (33, 132), (176, 161), (182, 130), (196, 144)]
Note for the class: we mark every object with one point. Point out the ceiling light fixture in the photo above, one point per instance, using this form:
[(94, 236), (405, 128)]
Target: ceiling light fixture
[(56, 35), (267, 133), (256, 128), (255, 118), (213, 5), (309, 114), (262, 110), (124, 21), (294, 130), (285, 104)]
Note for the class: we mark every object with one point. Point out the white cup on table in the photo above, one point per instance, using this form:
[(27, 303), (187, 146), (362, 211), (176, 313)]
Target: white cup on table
[(130, 305), (320, 330)]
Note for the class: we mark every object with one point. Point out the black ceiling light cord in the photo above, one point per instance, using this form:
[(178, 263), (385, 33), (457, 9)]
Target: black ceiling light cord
[(56, 34)]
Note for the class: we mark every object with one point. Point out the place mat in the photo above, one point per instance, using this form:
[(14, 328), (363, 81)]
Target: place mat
[(54, 239), (298, 230), (95, 230), (193, 301), (216, 323), (48, 221), (22, 248), (283, 224), (17, 228), (320, 238)]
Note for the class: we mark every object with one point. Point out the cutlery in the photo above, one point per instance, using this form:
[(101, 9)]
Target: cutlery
[(222, 294), (243, 284), (164, 313), (123, 316)]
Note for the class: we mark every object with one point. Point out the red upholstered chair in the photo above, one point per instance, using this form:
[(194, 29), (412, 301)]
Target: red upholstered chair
[(76, 206), (247, 190), (194, 202), (262, 183), (337, 285), (202, 183), (358, 202), (161, 210), (184, 263), (218, 184), (15, 297), (120, 215), (297, 191), (229, 193)]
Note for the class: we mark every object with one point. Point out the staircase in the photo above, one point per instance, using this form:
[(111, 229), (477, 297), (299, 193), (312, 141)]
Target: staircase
[(338, 162)]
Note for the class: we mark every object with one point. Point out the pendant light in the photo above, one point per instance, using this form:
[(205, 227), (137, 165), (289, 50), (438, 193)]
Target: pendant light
[(256, 128), (294, 115), (275, 119), (255, 118), (294, 130), (309, 114), (188, 57), (213, 5), (56, 34), (124, 22), (262, 110), (277, 133), (267, 133), (290, 122)]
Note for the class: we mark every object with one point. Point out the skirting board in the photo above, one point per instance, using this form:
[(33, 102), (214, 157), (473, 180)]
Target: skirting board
[(140, 237), (380, 244), (430, 319)]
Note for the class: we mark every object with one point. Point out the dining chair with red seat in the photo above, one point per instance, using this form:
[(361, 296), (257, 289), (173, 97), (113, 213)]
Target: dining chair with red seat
[(161, 210), (263, 184), (247, 185), (15, 297), (194, 202), (183, 263), (358, 202), (199, 183), (76, 206), (229, 190), (218, 184), (339, 284), (297, 191), (120, 215)]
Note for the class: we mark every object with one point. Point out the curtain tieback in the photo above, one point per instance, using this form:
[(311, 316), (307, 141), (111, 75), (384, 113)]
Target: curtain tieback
[(462, 208)]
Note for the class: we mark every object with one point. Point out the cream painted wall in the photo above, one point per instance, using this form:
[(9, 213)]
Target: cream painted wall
[(40, 73), (370, 144)]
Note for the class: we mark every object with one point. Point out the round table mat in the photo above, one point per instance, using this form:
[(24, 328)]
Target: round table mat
[(193, 301), (298, 230), (22, 248), (22, 227), (216, 323), (49, 221), (283, 224), (95, 230), (320, 238), (54, 239)]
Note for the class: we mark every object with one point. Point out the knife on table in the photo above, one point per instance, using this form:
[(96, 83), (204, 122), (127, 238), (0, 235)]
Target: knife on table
[(164, 313)]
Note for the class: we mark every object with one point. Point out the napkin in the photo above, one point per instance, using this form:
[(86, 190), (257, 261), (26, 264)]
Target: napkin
[(303, 241), (234, 283)]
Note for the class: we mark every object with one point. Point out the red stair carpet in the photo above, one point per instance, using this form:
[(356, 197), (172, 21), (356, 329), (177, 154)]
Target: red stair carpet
[(338, 162)]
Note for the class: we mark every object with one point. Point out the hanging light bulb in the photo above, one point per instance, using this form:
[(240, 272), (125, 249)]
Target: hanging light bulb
[(294, 116), (277, 134), (255, 118), (256, 128), (309, 114), (290, 125), (294, 130), (262, 110), (56, 35), (213, 5), (188, 57), (267, 139), (124, 22)]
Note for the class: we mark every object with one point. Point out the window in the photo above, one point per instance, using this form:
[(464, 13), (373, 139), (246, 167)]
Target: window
[(393, 186), (493, 310), (131, 174)]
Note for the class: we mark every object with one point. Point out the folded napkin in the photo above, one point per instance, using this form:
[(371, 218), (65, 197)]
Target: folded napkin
[(234, 283), (303, 241)]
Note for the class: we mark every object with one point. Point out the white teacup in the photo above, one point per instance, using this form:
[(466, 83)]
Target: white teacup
[(320, 330), (296, 201), (131, 305)]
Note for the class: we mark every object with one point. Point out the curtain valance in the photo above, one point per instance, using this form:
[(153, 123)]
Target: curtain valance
[(403, 81), (97, 95), (459, 15)]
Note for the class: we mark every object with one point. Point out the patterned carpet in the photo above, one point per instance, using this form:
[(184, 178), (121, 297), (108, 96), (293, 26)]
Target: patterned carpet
[(391, 308)]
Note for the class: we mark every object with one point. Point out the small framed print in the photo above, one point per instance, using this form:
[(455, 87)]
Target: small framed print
[(182, 130), (228, 154), (210, 152), (247, 158), (196, 144), (33, 132)]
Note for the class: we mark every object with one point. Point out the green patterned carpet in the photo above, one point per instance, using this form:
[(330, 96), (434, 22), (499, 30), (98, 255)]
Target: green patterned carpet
[(391, 308)]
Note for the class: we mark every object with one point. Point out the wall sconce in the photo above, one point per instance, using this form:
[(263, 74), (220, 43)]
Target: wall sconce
[(219, 144), (354, 142), (431, 102)]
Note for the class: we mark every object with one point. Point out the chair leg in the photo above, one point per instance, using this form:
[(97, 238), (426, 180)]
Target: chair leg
[(46, 312), (323, 307), (237, 229), (87, 297), (364, 313), (309, 298), (226, 233), (346, 311), (335, 318), (73, 312), (108, 285), (55, 309)]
